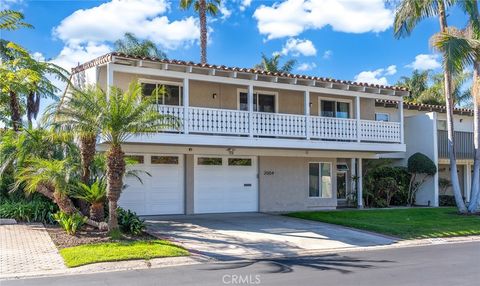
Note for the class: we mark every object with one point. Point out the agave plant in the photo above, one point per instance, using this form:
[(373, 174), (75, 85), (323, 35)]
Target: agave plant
[(95, 195)]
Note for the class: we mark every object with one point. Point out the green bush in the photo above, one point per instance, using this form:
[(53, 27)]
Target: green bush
[(420, 163), (378, 186), (129, 222), (70, 223), (37, 209), (446, 201)]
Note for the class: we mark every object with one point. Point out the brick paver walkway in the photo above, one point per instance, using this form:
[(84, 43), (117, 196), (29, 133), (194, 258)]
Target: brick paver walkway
[(27, 249)]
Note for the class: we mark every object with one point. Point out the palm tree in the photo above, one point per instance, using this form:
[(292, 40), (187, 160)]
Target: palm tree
[(407, 15), (273, 64), (132, 46), (417, 83), (125, 114), (202, 7), (95, 195), (463, 46), (12, 20)]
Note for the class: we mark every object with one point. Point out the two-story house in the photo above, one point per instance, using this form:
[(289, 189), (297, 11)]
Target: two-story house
[(426, 132), (249, 140)]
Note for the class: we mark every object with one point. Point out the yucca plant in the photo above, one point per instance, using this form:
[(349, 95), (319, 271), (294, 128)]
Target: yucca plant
[(95, 195)]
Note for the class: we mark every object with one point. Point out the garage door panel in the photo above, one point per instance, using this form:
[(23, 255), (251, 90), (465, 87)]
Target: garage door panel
[(225, 188), (161, 193)]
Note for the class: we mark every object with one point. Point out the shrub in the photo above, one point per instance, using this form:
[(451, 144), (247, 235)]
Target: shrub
[(129, 222), (420, 167), (386, 185), (446, 201), (70, 222), (38, 209)]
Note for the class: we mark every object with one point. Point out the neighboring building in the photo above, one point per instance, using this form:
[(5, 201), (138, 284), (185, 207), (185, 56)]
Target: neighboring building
[(250, 140), (426, 132)]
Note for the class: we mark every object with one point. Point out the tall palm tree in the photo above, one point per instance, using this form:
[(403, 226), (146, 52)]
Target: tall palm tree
[(131, 45), (407, 15), (272, 64), (12, 20), (125, 114), (417, 83), (464, 49), (202, 7)]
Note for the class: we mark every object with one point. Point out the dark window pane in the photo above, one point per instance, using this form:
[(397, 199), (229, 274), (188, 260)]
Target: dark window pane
[(172, 95), (209, 161), (314, 188), (148, 90), (243, 101), (168, 160), (239, 162), (343, 110), (266, 103), (341, 185), (328, 108), (138, 159)]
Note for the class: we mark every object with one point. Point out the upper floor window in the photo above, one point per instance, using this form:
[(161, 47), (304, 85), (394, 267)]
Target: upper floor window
[(382, 117), (261, 102), (165, 94), (332, 108)]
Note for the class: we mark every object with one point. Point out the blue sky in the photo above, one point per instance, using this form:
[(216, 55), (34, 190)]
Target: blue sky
[(344, 39)]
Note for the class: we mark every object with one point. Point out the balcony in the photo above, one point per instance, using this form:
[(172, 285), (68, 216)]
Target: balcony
[(236, 123), (464, 147)]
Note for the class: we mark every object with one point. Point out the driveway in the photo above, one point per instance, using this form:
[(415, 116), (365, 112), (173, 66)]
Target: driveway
[(255, 235)]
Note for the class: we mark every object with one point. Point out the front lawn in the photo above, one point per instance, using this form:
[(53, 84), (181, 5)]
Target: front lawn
[(116, 251), (405, 223)]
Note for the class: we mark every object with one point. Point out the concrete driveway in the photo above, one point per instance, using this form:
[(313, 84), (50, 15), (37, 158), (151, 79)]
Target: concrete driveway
[(255, 235)]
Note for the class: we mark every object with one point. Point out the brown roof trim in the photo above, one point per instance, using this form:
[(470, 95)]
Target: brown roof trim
[(424, 107), (109, 58)]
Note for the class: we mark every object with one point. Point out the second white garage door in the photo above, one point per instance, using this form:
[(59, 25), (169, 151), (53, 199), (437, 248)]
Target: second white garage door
[(225, 184), (160, 193)]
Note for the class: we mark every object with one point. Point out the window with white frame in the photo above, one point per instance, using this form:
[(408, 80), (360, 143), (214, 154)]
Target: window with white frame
[(320, 180), (262, 102), (334, 108), (382, 117), (164, 94)]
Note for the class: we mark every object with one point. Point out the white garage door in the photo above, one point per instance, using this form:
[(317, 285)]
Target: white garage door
[(225, 184), (160, 193)]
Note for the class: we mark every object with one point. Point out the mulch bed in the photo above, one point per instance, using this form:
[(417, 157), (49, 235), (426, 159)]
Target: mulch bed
[(87, 235)]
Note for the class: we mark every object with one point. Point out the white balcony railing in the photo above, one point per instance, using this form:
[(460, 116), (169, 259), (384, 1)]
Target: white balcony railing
[(235, 122)]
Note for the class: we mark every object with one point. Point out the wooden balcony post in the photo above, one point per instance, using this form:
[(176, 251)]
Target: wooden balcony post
[(186, 101), (307, 114), (250, 110), (400, 108), (357, 116)]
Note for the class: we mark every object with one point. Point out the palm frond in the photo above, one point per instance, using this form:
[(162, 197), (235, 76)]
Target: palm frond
[(12, 20)]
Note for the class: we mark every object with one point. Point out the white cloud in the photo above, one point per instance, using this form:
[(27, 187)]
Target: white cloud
[(298, 47), (291, 17), (306, 66), (38, 57), (226, 13), (425, 62), (109, 21), (245, 4), (327, 54), (7, 4), (72, 54), (377, 76)]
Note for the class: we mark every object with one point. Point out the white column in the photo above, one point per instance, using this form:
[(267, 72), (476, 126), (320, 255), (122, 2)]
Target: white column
[(186, 103), (109, 78), (357, 116), (400, 108), (250, 110), (306, 100), (360, 185), (467, 181)]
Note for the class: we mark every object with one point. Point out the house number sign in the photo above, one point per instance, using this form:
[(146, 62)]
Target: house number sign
[(268, 173)]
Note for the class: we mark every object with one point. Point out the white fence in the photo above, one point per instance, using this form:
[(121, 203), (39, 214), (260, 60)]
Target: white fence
[(236, 122)]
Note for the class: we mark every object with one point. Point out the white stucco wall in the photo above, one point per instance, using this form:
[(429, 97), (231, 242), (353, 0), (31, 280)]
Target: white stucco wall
[(421, 136)]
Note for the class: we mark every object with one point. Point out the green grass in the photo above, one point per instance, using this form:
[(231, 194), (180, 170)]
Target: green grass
[(117, 251), (405, 223)]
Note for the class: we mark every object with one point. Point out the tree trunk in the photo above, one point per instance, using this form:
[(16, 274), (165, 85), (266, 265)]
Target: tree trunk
[(450, 126), (203, 31), (30, 107), (96, 212), (115, 172), (64, 203), (475, 189), (16, 116), (87, 153)]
